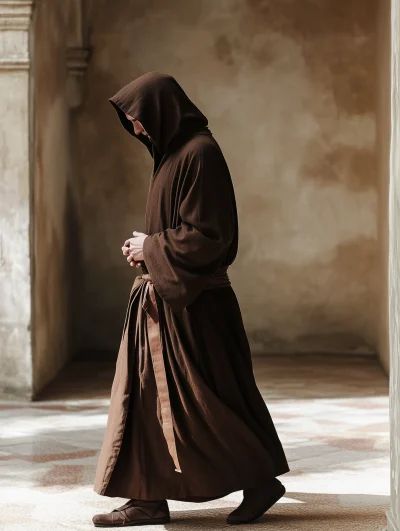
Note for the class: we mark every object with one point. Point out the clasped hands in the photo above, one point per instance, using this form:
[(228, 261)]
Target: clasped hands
[(133, 249)]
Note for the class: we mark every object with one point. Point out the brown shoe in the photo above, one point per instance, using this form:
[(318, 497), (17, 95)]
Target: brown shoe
[(135, 512), (256, 502)]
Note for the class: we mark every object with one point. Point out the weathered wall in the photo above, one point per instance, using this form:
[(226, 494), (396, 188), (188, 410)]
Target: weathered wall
[(291, 96), (383, 146), (15, 259), (52, 286)]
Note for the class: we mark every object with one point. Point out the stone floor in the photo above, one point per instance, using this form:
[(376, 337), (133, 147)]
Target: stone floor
[(331, 414)]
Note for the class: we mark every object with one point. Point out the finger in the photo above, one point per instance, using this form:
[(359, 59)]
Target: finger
[(130, 258), (127, 243)]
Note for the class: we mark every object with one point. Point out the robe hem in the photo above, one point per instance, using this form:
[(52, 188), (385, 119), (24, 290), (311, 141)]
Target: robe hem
[(198, 498)]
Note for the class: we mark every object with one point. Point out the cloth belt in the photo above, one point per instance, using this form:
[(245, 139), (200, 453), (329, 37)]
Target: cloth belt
[(219, 279)]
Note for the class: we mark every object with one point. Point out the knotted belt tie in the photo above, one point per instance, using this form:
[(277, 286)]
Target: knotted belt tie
[(219, 279)]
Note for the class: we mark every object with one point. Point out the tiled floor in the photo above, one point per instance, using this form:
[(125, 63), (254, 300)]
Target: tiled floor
[(331, 414)]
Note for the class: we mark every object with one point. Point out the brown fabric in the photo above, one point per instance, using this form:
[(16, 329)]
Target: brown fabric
[(223, 438), (155, 350), (219, 279)]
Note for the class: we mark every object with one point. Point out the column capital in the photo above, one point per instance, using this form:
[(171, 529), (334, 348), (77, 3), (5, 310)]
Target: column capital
[(15, 14), (15, 19), (77, 64), (78, 50)]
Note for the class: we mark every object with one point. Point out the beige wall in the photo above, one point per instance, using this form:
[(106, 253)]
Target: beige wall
[(383, 146), (51, 193), (290, 92)]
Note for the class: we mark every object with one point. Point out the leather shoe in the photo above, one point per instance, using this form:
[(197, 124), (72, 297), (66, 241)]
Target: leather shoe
[(135, 512), (256, 502)]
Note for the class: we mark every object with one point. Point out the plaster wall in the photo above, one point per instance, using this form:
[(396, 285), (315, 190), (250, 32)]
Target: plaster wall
[(15, 273), (51, 193), (291, 96), (383, 147), (15, 259)]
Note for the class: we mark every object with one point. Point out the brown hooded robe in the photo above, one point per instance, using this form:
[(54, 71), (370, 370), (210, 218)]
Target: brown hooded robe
[(186, 419)]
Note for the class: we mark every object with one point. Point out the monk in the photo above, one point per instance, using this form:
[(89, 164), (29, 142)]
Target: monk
[(186, 420)]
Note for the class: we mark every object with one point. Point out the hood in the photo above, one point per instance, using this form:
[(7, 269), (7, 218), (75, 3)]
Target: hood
[(162, 107)]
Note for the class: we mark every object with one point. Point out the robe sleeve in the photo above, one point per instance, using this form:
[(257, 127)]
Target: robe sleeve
[(179, 260)]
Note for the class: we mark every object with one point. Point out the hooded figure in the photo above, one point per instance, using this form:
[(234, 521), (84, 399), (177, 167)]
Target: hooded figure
[(186, 420)]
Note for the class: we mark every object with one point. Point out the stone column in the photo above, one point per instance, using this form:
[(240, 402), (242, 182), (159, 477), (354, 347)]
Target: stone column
[(394, 276), (15, 199), (43, 57)]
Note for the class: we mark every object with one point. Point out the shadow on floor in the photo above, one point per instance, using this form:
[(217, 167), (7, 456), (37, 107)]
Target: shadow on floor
[(80, 380), (279, 377)]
